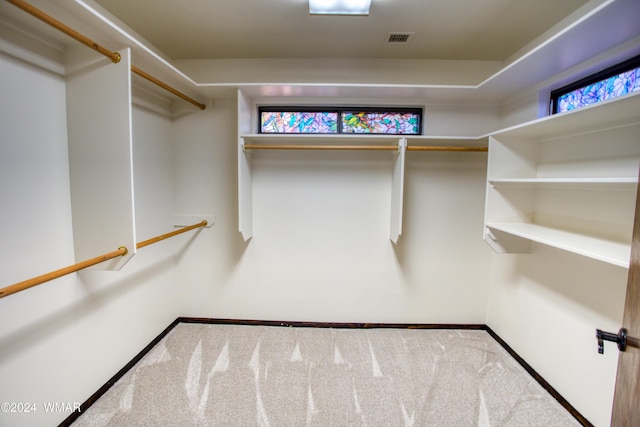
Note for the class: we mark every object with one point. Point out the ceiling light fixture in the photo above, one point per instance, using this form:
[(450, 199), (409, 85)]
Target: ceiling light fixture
[(339, 7)]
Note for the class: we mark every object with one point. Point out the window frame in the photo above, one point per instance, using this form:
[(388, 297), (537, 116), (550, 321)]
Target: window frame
[(340, 110), (619, 68)]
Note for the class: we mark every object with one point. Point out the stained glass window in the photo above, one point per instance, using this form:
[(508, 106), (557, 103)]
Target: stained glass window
[(299, 121), (616, 81), (325, 120), (406, 123)]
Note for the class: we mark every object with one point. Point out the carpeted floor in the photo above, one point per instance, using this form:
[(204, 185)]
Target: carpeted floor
[(233, 375)]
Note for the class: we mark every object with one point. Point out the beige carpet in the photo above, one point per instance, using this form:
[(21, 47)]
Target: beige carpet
[(232, 375)]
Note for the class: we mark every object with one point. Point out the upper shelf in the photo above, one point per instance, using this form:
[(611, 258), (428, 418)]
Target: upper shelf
[(359, 137), (335, 138), (617, 111)]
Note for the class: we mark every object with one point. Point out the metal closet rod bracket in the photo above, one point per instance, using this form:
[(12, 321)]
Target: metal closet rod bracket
[(620, 338)]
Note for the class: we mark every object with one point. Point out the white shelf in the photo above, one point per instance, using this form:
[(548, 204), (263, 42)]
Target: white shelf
[(314, 137), (575, 172), (610, 113), (622, 183), (449, 140), (601, 249)]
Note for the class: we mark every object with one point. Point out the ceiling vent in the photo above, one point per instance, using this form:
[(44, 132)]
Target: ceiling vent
[(399, 37)]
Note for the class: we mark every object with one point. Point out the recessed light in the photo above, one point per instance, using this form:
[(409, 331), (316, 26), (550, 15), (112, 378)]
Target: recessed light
[(339, 7)]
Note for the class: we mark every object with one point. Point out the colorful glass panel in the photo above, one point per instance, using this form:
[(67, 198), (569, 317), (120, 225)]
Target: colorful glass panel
[(298, 122), (381, 122), (617, 85)]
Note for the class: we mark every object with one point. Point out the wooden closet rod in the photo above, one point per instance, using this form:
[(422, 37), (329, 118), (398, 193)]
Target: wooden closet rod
[(122, 251), (358, 147), (21, 286), (318, 147), (156, 239), (166, 87), (448, 148), (113, 56)]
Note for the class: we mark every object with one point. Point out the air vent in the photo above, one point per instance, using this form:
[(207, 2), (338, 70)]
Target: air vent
[(399, 37)]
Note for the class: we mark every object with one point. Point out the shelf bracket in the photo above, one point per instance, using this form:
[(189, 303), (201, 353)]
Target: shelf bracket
[(402, 143)]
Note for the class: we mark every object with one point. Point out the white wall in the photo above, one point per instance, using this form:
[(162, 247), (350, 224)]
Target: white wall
[(321, 248), (547, 305), (62, 340)]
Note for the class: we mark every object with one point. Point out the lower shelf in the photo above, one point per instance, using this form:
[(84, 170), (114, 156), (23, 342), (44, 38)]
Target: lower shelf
[(609, 251), (622, 183)]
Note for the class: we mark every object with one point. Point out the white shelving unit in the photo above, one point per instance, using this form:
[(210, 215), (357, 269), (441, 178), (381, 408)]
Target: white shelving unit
[(567, 181), (246, 135), (99, 97), (245, 180)]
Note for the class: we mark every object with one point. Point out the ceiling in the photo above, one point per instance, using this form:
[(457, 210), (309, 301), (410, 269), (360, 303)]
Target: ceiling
[(440, 29)]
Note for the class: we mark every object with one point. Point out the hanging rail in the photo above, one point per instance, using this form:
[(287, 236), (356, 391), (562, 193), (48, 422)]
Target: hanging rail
[(358, 147), (21, 286), (156, 239), (319, 147), (122, 251), (113, 56), (166, 87), (448, 148)]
